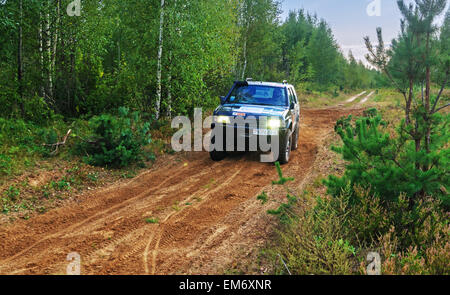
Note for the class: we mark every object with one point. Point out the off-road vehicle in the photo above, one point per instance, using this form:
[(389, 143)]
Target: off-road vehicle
[(275, 107)]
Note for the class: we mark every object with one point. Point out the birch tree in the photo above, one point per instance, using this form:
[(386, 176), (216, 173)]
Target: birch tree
[(20, 57), (260, 49), (159, 66)]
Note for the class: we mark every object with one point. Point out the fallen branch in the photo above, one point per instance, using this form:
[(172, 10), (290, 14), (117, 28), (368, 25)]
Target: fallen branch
[(58, 144)]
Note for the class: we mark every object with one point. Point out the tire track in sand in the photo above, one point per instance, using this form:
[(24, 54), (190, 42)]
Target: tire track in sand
[(161, 226)]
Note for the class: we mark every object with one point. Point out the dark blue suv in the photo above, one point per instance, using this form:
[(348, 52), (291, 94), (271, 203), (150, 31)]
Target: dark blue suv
[(257, 112)]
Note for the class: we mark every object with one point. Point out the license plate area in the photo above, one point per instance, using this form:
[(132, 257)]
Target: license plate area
[(265, 132)]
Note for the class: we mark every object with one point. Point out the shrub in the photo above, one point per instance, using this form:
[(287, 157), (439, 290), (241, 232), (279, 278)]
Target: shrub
[(331, 235), (19, 139), (431, 260), (8, 197), (388, 166), (309, 241), (312, 243), (116, 141), (37, 110), (5, 165), (312, 248), (366, 220)]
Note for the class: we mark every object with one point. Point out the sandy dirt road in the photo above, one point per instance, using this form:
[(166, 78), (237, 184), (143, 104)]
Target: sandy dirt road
[(352, 99), (208, 215), (365, 99)]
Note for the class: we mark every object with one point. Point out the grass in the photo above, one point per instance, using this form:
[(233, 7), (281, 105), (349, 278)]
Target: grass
[(316, 99), (151, 220), (176, 206), (211, 183)]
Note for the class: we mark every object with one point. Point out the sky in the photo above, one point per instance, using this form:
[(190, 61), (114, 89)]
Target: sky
[(351, 21)]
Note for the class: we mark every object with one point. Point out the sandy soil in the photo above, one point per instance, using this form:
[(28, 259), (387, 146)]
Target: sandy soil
[(208, 215)]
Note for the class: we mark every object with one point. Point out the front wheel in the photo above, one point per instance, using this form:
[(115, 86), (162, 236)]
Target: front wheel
[(285, 149), (217, 156)]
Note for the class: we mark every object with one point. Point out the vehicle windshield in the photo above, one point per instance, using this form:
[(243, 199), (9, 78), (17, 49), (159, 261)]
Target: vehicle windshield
[(259, 95)]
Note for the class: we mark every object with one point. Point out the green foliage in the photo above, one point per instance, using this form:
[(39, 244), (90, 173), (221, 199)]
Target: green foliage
[(111, 58), (323, 56), (333, 235), (21, 142), (8, 198), (312, 243), (117, 141), (262, 197), (365, 218), (60, 185), (417, 159), (259, 40), (386, 165), (12, 193), (151, 220), (312, 60), (5, 164), (284, 211), (282, 180)]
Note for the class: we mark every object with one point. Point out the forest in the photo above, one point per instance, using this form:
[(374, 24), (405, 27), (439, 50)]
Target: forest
[(159, 57)]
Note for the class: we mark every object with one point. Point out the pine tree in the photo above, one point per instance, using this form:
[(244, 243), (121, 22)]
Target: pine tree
[(385, 165), (408, 65)]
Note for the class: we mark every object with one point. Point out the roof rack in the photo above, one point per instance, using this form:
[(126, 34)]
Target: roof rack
[(249, 79), (285, 81)]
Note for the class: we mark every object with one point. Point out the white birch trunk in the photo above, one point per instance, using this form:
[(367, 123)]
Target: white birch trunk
[(49, 54), (55, 37), (169, 95), (245, 58), (245, 24), (159, 69), (169, 78), (41, 55), (20, 50)]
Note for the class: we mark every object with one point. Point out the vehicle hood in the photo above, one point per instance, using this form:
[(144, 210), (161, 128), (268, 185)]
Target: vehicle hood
[(245, 110)]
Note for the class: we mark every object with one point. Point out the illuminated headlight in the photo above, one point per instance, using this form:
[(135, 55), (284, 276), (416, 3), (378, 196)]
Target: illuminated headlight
[(223, 120), (274, 123)]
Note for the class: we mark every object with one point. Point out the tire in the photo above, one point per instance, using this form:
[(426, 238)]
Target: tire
[(295, 139), (217, 156), (285, 149)]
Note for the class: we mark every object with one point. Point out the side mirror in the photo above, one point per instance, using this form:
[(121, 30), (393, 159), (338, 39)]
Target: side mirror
[(292, 106), (222, 99)]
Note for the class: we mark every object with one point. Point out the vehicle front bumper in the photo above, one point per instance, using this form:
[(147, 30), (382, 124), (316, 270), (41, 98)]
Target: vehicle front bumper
[(238, 138)]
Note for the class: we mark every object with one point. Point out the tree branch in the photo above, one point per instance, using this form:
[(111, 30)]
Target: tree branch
[(440, 92), (441, 108)]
